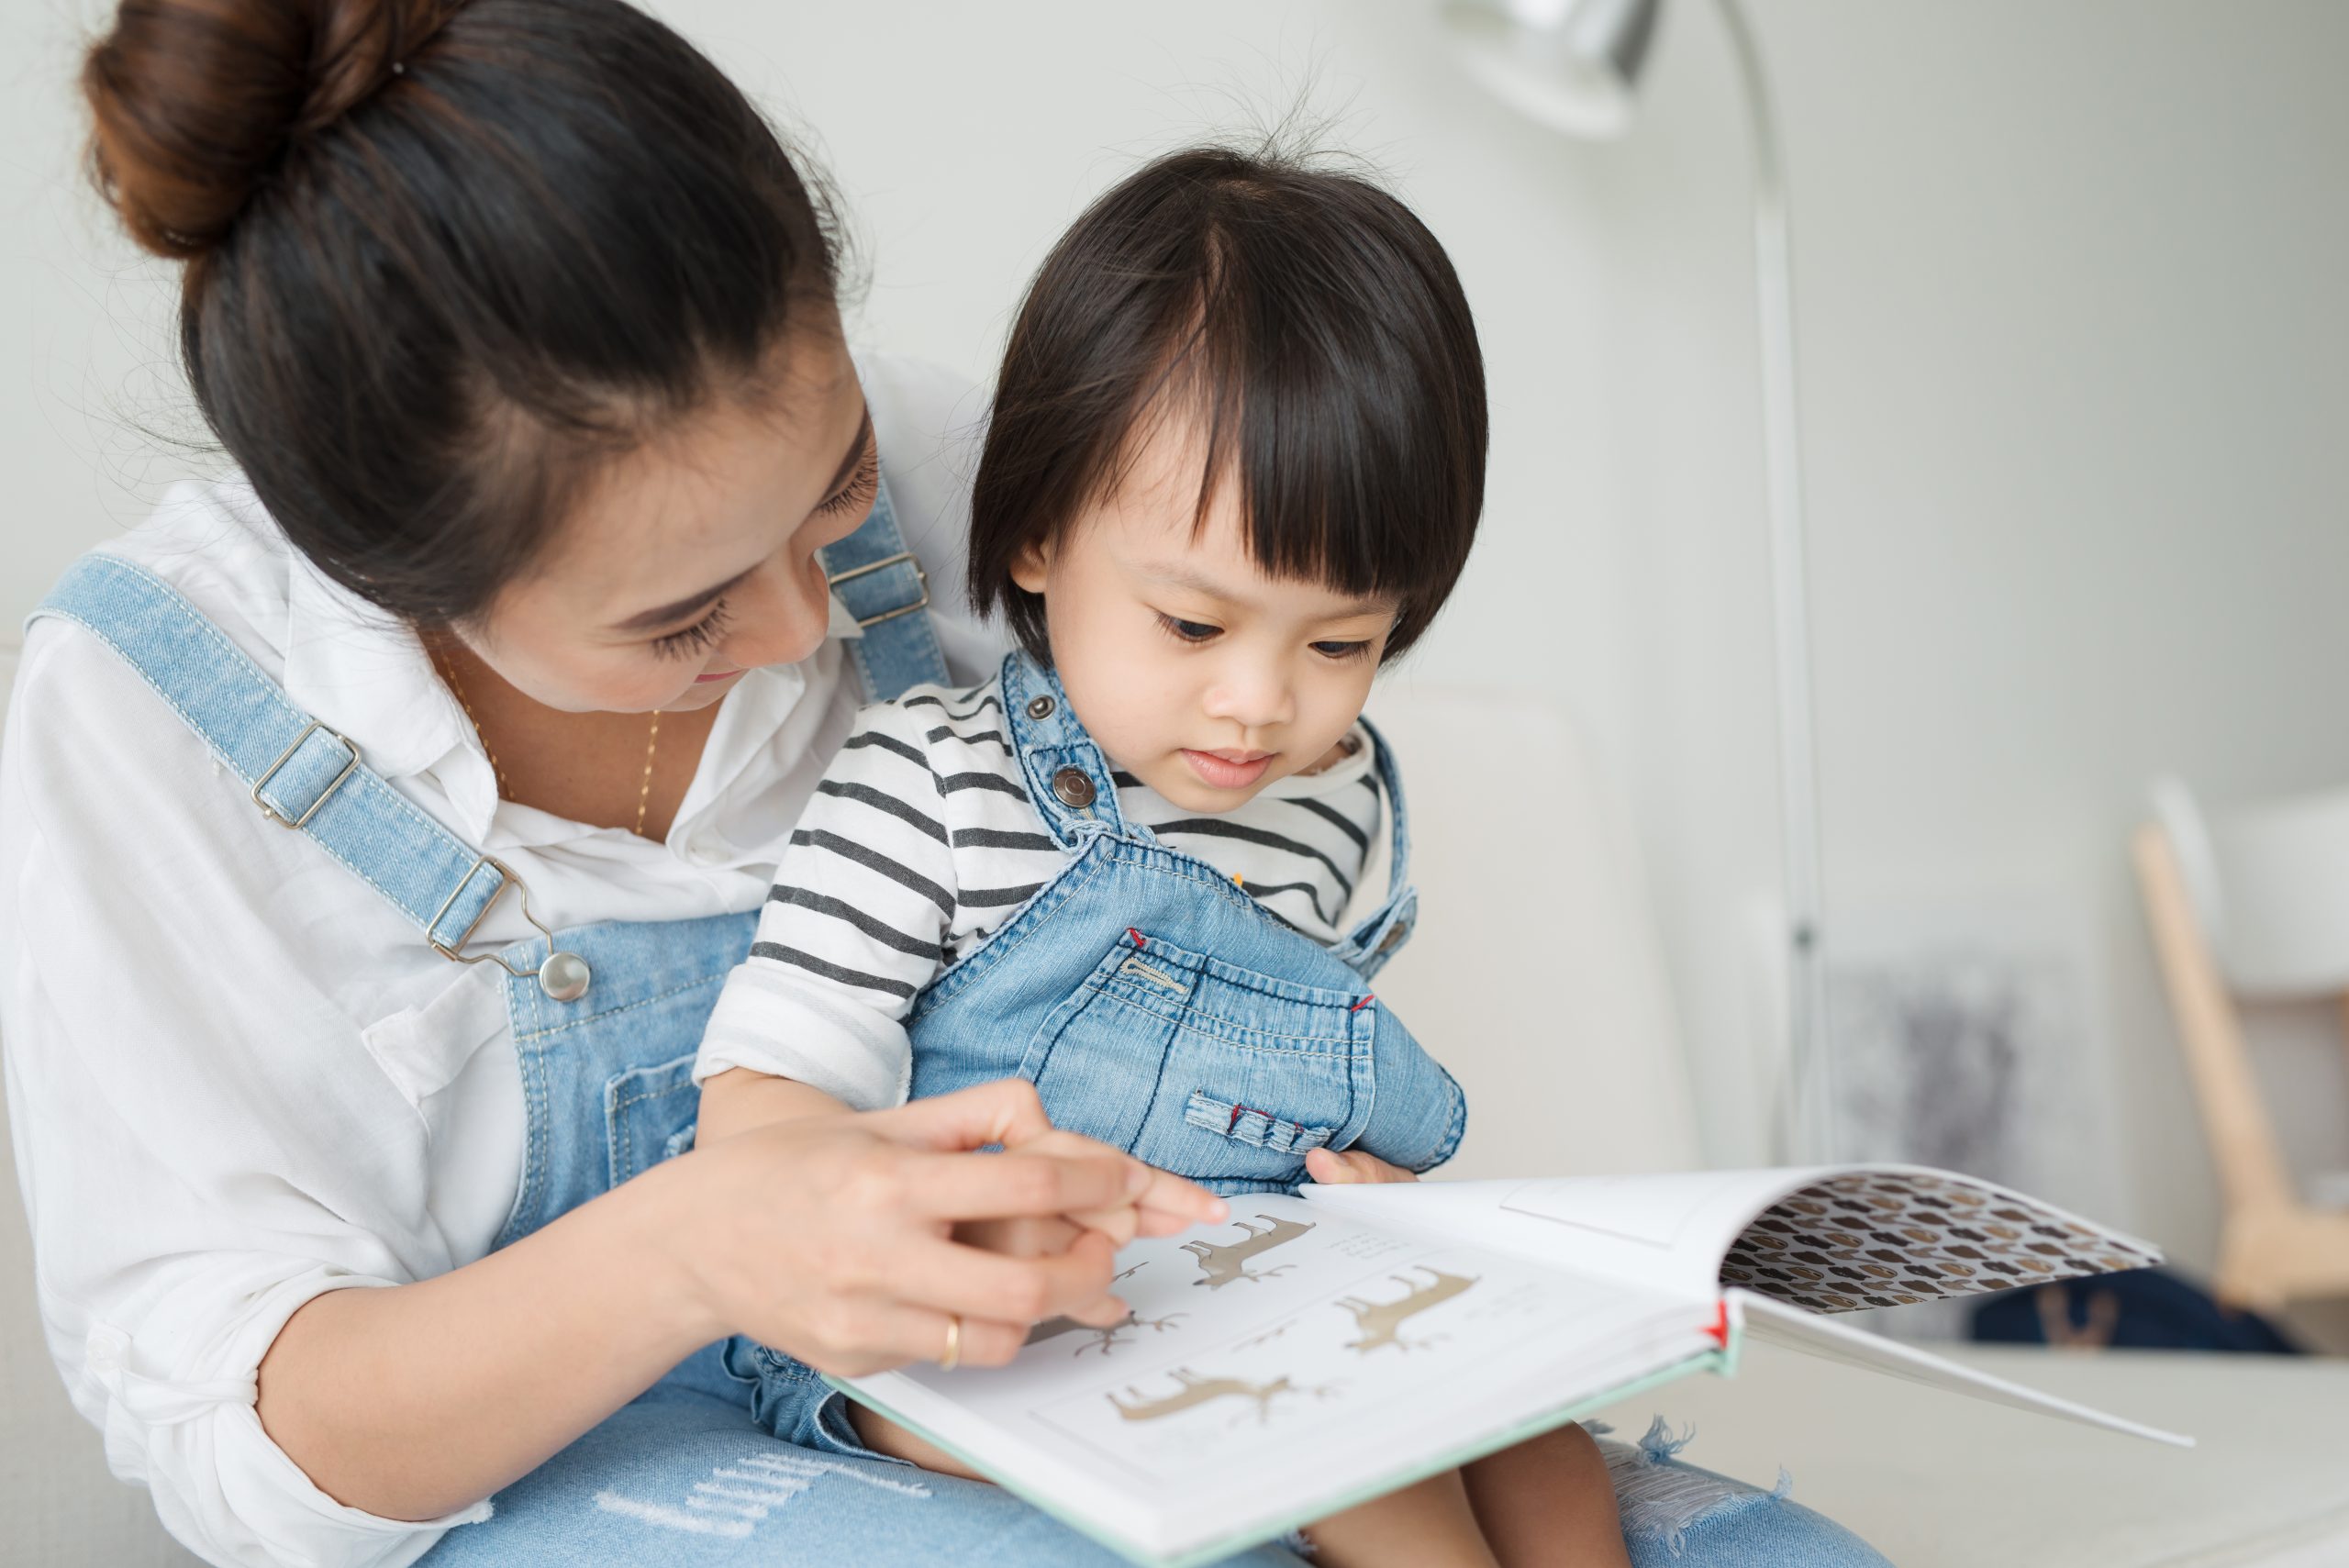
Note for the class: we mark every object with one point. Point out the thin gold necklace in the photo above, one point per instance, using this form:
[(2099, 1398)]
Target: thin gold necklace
[(652, 745)]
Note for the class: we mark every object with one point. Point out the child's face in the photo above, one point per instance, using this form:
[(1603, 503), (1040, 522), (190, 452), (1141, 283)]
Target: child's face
[(1194, 671)]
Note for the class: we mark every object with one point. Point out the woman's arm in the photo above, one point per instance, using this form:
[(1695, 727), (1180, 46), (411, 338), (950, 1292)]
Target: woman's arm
[(738, 1099), (826, 1237)]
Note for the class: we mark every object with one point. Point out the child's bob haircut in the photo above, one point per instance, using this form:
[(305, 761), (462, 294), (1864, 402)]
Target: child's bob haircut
[(1310, 324)]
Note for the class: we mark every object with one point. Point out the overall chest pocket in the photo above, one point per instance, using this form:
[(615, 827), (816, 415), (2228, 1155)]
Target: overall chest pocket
[(1202, 1067), (649, 1116)]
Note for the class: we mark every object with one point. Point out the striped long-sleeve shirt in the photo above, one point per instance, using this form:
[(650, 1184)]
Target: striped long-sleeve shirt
[(922, 840)]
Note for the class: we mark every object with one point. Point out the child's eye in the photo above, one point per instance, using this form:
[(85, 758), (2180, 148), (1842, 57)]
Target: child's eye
[(1341, 649), (694, 638), (1188, 630)]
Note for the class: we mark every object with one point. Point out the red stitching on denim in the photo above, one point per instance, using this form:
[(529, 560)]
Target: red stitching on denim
[(1139, 940), (1358, 1006)]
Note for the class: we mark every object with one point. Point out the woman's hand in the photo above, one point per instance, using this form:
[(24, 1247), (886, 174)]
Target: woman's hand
[(833, 1238), (1333, 1168)]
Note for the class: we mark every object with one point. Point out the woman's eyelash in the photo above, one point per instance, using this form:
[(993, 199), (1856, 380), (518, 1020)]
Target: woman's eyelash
[(860, 488), (695, 638)]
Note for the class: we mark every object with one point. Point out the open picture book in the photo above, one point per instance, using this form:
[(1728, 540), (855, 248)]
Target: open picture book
[(1315, 1351)]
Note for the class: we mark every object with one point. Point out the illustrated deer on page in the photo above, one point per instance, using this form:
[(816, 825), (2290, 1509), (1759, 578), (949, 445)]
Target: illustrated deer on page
[(1102, 1340), (1193, 1391), (1381, 1322), (1220, 1265)]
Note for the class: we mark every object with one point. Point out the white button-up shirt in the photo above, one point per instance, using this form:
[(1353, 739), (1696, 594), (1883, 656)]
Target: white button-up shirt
[(236, 1076)]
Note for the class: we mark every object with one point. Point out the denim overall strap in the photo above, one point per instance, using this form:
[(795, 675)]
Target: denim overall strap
[(1070, 782), (301, 775), (1068, 777), (888, 592), (1370, 944)]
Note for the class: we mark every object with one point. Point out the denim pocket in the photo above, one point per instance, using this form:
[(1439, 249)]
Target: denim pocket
[(1202, 1067), (649, 1114)]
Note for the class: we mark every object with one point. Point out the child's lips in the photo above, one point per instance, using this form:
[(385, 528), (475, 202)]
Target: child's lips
[(1230, 769)]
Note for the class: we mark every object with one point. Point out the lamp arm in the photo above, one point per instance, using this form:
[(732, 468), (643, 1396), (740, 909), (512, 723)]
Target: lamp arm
[(1809, 1129)]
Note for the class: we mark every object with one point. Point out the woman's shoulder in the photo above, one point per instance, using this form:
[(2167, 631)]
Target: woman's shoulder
[(211, 542)]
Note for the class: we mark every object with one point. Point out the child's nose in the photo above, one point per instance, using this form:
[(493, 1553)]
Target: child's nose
[(1252, 697)]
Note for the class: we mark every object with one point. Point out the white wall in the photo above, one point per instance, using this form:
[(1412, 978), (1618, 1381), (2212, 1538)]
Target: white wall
[(2074, 381)]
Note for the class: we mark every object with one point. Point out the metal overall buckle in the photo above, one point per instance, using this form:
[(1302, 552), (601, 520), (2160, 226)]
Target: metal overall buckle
[(903, 558), (563, 976), (324, 795)]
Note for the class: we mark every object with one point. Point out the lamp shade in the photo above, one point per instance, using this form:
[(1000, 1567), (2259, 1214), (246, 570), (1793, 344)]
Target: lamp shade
[(1573, 65)]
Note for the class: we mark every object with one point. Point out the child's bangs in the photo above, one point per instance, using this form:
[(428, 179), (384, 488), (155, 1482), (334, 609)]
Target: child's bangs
[(1294, 440)]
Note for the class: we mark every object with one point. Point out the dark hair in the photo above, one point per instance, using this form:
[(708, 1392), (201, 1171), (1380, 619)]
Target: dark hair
[(1313, 323), (443, 259)]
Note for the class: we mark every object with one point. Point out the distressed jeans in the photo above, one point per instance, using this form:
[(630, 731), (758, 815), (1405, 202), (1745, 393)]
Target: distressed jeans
[(685, 1477)]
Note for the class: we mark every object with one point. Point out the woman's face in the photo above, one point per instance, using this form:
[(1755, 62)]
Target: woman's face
[(694, 558)]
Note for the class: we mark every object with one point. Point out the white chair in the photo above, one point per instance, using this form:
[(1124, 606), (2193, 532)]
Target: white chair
[(2252, 903)]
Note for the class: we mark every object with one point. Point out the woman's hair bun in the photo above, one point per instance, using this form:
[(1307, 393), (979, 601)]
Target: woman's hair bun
[(195, 101)]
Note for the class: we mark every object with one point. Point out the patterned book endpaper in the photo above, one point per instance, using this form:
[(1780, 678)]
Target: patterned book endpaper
[(1892, 1238)]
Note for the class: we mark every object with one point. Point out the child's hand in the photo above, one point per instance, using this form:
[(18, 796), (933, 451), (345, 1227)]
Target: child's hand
[(1333, 1168)]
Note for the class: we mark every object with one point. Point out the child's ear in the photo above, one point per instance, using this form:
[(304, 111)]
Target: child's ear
[(1032, 565)]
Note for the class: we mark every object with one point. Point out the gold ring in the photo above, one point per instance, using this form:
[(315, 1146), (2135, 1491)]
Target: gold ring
[(953, 1356)]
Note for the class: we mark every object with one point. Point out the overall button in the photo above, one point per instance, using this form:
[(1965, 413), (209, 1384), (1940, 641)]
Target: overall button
[(1071, 788), (1040, 708), (564, 977)]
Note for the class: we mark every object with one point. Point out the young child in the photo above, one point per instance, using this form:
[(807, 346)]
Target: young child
[(1235, 464)]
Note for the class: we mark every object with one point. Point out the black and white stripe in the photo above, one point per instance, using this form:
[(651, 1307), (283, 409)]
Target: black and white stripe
[(921, 839)]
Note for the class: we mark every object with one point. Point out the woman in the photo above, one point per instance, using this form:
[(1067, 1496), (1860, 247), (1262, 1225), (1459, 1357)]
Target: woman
[(383, 822)]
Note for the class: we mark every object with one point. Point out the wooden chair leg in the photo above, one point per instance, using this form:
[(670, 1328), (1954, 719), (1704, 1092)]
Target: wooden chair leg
[(2258, 1266)]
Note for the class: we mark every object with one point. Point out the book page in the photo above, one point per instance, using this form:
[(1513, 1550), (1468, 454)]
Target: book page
[(1833, 1239), (1288, 1355), (1775, 1323), (1662, 1232), (1892, 1236)]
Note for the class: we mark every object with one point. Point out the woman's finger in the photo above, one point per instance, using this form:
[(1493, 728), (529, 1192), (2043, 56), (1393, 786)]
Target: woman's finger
[(1168, 1197), (1008, 1186), (1029, 1238), (950, 1277), (1006, 1111), (889, 1334)]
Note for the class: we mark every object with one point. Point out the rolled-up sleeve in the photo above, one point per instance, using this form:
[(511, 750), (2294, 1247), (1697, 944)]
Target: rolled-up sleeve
[(202, 1141), (852, 929)]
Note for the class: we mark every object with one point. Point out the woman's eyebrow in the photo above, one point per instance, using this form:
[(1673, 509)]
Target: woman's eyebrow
[(666, 613), (663, 615)]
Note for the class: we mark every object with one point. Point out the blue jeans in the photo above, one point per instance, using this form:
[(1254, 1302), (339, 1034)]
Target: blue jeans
[(686, 1478)]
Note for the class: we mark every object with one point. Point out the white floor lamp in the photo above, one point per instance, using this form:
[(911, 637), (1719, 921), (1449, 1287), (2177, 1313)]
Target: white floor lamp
[(1573, 65)]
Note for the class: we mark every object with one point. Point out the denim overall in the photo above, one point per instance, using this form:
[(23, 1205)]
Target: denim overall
[(1158, 1007), (606, 1019)]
